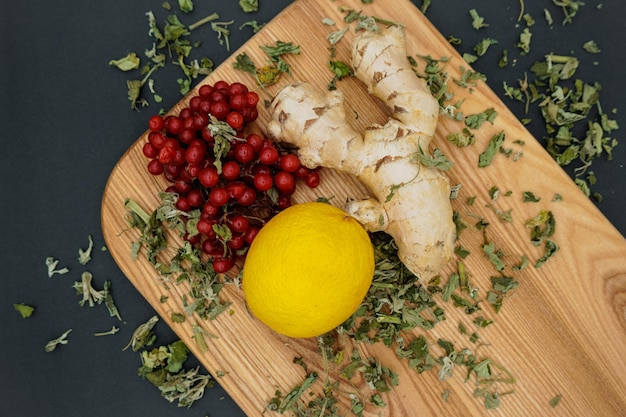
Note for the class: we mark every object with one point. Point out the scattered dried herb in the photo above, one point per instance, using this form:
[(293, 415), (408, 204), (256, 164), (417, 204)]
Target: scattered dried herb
[(462, 138), (186, 265), (478, 22), (591, 47), (113, 331), (90, 295), (61, 340), (524, 41), (529, 197), (143, 335), (268, 74), (52, 264), (84, 256), (127, 63), (554, 401), (24, 309), (164, 367), (569, 7), (249, 6), (501, 286), (494, 145), (475, 121), (435, 160), (494, 256), (340, 70), (185, 6), (482, 46)]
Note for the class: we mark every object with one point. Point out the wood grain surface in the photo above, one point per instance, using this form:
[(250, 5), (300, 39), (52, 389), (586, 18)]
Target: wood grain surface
[(561, 332)]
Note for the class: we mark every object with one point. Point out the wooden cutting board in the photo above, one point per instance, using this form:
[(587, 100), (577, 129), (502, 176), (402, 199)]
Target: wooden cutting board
[(561, 332)]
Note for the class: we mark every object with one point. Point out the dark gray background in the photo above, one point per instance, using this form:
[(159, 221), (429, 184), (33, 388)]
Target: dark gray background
[(64, 123)]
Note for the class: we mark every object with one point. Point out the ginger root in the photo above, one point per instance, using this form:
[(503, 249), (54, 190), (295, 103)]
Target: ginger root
[(411, 201)]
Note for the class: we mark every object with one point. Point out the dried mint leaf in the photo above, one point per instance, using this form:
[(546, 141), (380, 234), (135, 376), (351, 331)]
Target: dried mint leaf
[(24, 309), (494, 145)]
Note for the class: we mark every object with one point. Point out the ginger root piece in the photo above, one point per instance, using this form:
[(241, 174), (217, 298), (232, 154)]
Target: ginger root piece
[(411, 201)]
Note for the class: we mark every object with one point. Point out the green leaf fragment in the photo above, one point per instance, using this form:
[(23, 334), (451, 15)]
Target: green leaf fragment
[(84, 255), (475, 121), (143, 336), (249, 6), (529, 197), (52, 264), (478, 22), (185, 6), (494, 256), (127, 63), (524, 41), (494, 145), (591, 47), (482, 46), (437, 160), (25, 310), (554, 401), (61, 340)]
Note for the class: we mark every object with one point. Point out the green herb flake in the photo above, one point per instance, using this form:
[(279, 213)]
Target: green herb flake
[(504, 59), (224, 135), (469, 77), (84, 287), (340, 70), (529, 197), (223, 32), (113, 331), (177, 317), (554, 401), (437, 160), (282, 403), (482, 322), (494, 145), (551, 248), (84, 255), (469, 58), (501, 286), (61, 340), (524, 41), (163, 367), (143, 336), (478, 22), (244, 63), (591, 47), (128, 63), (24, 309), (453, 283), (569, 8), (425, 6), (185, 6), (461, 139), (542, 227), (548, 17), (522, 265), (494, 256), (255, 25), (108, 301), (52, 264), (475, 121), (249, 6), (482, 46)]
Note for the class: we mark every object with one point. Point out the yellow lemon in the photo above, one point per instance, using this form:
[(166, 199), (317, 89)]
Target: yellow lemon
[(308, 270)]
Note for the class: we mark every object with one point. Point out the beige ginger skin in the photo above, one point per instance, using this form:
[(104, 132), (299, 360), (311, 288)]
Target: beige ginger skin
[(418, 215)]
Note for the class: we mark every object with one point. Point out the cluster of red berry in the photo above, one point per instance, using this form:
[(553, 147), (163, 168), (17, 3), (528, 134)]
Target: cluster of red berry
[(236, 189)]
